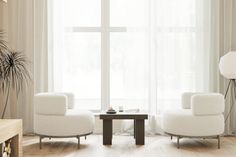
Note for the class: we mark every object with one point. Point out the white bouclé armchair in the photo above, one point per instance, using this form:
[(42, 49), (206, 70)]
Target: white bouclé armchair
[(201, 116), (56, 117)]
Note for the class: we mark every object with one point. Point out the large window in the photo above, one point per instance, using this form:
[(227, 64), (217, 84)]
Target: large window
[(129, 53), (101, 62), (77, 52)]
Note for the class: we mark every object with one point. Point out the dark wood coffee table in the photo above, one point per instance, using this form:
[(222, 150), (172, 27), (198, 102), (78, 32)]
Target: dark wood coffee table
[(139, 127)]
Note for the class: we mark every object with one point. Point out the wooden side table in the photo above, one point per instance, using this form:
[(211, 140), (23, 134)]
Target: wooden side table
[(12, 129), (139, 127)]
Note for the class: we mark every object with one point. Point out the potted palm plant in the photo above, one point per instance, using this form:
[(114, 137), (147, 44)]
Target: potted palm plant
[(14, 74)]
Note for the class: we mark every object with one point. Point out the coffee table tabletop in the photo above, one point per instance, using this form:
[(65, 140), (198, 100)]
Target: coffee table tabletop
[(124, 115)]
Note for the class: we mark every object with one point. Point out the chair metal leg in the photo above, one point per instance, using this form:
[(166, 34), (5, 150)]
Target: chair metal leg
[(40, 142), (218, 137), (78, 141), (134, 129), (178, 137), (85, 137)]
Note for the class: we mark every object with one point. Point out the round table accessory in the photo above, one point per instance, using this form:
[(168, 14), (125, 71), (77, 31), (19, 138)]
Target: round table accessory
[(111, 111)]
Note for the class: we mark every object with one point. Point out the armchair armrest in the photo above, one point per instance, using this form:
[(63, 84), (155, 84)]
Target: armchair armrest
[(50, 103), (207, 104)]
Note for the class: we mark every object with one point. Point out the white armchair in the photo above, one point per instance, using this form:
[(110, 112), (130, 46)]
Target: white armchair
[(55, 117), (201, 116)]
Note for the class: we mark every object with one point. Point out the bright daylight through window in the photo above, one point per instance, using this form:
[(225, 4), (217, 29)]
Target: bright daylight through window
[(112, 52)]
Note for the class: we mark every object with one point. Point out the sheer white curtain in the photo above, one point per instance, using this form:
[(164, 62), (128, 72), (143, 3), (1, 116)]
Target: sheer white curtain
[(158, 50), (170, 47), (76, 54), (41, 46), (41, 50), (184, 51)]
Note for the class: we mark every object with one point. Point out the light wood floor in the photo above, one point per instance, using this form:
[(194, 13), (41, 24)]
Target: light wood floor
[(123, 146)]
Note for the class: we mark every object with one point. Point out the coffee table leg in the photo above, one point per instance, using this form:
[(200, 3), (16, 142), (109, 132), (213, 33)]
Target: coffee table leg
[(139, 132), (107, 131), (134, 128)]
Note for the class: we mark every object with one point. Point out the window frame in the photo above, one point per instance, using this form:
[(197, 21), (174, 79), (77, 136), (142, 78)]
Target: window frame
[(105, 31)]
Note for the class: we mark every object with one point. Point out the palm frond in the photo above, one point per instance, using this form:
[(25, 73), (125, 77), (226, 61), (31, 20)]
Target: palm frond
[(14, 73), (15, 70)]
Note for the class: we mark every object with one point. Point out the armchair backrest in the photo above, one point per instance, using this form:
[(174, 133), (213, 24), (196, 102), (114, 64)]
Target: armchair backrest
[(71, 100), (207, 104), (186, 99), (50, 103), (203, 103)]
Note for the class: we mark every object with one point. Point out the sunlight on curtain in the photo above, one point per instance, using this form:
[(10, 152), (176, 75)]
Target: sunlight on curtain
[(167, 48), (164, 52), (76, 55)]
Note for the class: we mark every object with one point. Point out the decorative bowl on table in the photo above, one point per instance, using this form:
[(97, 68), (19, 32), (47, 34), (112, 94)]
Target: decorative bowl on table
[(111, 111)]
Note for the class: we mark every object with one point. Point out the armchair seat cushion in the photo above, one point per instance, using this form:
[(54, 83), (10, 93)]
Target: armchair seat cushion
[(73, 123), (183, 122)]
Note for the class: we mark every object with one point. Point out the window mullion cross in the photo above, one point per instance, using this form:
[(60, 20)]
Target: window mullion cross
[(105, 54)]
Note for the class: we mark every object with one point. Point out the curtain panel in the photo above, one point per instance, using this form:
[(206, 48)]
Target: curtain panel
[(179, 52), (20, 34), (27, 32), (183, 57), (172, 66)]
